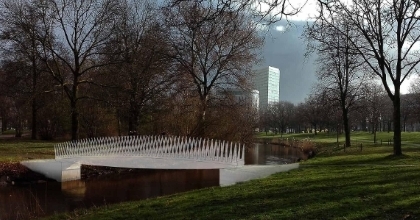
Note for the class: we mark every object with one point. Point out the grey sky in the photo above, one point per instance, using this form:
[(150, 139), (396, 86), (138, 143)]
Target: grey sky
[(286, 51)]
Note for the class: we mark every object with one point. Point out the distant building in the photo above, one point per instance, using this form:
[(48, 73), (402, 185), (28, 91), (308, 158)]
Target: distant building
[(243, 96), (267, 82)]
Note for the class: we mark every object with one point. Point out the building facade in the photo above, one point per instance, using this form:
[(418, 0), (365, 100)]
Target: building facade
[(267, 82), (244, 96)]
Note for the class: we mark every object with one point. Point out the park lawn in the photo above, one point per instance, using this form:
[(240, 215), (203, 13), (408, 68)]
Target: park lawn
[(367, 184), (328, 137), (311, 192), (16, 150)]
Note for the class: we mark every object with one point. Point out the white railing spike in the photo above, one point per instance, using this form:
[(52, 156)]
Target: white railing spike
[(175, 147)]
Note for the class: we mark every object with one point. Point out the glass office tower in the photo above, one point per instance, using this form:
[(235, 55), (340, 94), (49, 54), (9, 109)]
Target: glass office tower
[(267, 82)]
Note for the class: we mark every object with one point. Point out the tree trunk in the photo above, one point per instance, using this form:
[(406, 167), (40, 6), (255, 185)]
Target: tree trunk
[(34, 119), (375, 128), (346, 126), (34, 100), (372, 124), (345, 111), (338, 143), (34, 89), (18, 131), (74, 120), (118, 123), (397, 123), (199, 130), (133, 119), (4, 123), (74, 111)]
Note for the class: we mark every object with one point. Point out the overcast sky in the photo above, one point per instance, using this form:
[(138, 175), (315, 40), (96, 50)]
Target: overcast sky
[(285, 49)]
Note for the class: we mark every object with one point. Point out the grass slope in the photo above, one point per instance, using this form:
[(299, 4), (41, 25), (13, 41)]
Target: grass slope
[(321, 192), (15, 150), (367, 184)]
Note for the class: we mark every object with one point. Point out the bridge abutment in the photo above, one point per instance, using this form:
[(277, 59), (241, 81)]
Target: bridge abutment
[(59, 170)]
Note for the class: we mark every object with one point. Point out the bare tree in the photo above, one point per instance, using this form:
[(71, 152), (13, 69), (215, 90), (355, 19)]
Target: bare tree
[(264, 11), (316, 111), (139, 47), (233, 116), (20, 26), (15, 88), (385, 36), (408, 111), (78, 31), (414, 91), (338, 62), (415, 86), (214, 51), (373, 106), (281, 115)]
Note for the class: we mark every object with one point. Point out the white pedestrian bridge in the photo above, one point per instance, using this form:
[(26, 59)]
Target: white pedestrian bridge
[(152, 152)]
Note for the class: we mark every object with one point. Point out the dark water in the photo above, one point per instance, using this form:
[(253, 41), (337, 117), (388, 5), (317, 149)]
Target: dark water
[(272, 154), (25, 202)]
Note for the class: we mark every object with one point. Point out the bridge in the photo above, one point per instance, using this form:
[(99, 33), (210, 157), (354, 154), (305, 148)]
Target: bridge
[(150, 152), (177, 150)]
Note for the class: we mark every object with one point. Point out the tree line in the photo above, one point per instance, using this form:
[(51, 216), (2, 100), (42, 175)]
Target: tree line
[(321, 112), (363, 40), (84, 68), (98, 67)]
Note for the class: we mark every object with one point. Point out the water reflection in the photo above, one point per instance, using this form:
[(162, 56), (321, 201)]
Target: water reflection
[(25, 202), (272, 154), (48, 198)]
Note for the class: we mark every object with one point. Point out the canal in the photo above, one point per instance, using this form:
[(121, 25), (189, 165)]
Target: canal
[(43, 199)]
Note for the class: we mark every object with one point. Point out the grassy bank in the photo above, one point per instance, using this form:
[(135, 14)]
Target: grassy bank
[(356, 137), (367, 184), (18, 149), (312, 192)]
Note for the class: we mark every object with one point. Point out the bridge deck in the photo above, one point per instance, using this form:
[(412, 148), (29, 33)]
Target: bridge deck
[(66, 169)]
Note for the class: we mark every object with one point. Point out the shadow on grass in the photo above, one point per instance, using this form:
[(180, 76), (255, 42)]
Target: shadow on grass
[(388, 160), (396, 157), (366, 159), (325, 193)]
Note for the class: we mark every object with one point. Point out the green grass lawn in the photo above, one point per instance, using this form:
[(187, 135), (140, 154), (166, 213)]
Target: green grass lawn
[(18, 149), (367, 184), (361, 136), (358, 136), (311, 192)]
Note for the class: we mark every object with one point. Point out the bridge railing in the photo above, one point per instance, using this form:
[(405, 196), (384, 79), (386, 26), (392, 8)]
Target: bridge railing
[(174, 147)]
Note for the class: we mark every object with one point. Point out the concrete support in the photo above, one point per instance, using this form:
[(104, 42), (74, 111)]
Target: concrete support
[(59, 170)]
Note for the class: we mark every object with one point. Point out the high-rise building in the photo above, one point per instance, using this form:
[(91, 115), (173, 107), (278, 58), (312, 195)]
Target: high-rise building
[(267, 82)]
